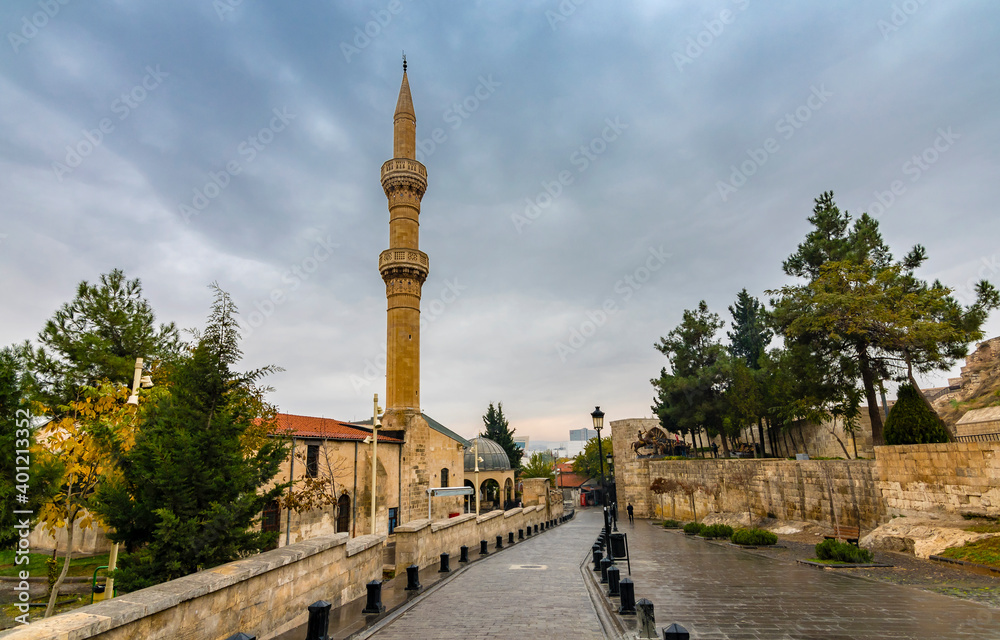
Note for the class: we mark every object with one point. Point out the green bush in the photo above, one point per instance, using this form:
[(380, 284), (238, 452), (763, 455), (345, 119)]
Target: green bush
[(754, 537), (842, 552), (693, 528), (911, 421), (717, 531), (671, 524)]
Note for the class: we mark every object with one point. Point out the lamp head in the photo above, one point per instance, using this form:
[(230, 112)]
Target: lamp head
[(598, 417)]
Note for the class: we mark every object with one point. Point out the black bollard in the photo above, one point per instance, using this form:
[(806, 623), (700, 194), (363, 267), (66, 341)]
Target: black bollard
[(676, 632), (647, 623), (463, 554), (605, 564), (510, 537), (536, 528), (413, 578), (319, 621), (627, 589), (614, 574), (499, 542), (520, 534), (528, 534), (241, 636), (598, 556), (374, 603), (445, 566), (482, 548)]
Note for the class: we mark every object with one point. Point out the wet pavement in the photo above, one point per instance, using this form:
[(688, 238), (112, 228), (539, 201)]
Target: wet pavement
[(535, 589), (718, 591)]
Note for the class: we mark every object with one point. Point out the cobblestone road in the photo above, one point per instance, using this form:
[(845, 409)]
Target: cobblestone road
[(723, 592), (497, 598)]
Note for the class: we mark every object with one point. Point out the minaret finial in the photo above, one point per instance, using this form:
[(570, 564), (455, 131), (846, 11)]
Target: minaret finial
[(404, 62)]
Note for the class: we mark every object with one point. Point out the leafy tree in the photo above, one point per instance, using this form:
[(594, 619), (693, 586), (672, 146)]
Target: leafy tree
[(498, 430), (660, 486), (910, 420), (538, 467), (587, 463), (193, 484), (96, 336), (17, 439), (866, 306), (77, 442), (691, 396)]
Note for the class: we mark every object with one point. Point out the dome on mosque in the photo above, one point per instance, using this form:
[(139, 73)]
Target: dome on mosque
[(492, 457)]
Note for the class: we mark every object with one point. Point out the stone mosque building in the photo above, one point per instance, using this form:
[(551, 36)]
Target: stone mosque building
[(415, 453)]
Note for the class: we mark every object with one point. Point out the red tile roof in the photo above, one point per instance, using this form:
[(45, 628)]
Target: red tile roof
[(310, 427), (566, 478)]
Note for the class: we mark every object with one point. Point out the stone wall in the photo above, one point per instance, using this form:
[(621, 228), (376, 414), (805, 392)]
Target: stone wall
[(956, 477), (421, 542), (265, 596), (815, 490)]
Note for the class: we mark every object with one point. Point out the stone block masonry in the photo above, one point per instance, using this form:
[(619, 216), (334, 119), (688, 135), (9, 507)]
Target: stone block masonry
[(956, 478), (264, 595)]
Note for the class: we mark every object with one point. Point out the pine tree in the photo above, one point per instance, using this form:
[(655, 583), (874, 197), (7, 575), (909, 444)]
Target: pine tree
[(498, 430), (193, 483), (97, 336), (750, 335)]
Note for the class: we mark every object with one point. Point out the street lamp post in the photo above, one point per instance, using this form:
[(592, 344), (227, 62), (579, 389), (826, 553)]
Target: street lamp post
[(145, 382), (376, 423), (476, 458), (614, 505), (598, 417)]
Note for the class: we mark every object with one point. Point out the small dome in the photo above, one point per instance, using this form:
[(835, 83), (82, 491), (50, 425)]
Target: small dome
[(492, 457)]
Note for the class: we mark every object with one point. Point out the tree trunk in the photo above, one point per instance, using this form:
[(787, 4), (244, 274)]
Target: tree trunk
[(70, 519), (854, 441), (725, 444), (833, 432), (802, 437), (760, 432), (795, 445), (868, 378), (784, 437)]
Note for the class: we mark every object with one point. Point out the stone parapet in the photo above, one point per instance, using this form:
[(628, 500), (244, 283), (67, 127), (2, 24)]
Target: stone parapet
[(264, 595)]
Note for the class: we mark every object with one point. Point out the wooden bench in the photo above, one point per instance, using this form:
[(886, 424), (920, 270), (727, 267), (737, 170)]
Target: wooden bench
[(848, 534)]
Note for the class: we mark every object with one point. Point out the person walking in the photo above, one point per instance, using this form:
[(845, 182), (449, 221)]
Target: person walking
[(629, 509)]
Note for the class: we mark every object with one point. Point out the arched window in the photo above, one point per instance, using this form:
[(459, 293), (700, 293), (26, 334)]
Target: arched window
[(444, 477), (343, 513)]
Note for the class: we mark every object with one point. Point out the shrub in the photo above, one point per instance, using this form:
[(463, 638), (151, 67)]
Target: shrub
[(754, 537), (842, 552), (671, 524), (717, 531), (693, 528), (911, 421)]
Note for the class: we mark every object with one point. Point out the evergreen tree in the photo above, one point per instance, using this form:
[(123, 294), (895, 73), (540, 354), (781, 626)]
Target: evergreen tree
[(750, 335), (17, 442), (498, 430), (911, 421), (539, 467), (96, 336), (692, 395), (193, 484), (861, 303)]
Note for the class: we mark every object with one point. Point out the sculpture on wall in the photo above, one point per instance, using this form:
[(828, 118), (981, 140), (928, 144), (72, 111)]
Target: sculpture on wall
[(660, 444)]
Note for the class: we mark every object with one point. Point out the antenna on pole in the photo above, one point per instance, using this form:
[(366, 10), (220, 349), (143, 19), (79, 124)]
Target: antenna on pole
[(404, 62)]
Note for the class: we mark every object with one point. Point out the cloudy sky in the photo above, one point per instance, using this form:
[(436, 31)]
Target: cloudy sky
[(594, 169)]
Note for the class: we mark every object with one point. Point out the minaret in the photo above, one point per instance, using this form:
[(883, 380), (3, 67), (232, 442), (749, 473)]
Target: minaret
[(404, 269)]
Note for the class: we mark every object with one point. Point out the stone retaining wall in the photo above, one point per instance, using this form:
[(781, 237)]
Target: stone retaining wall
[(956, 477), (264, 596), (421, 542), (816, 490)]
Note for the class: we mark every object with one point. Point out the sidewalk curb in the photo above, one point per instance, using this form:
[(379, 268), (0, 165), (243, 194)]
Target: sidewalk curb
[(611, 622)]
